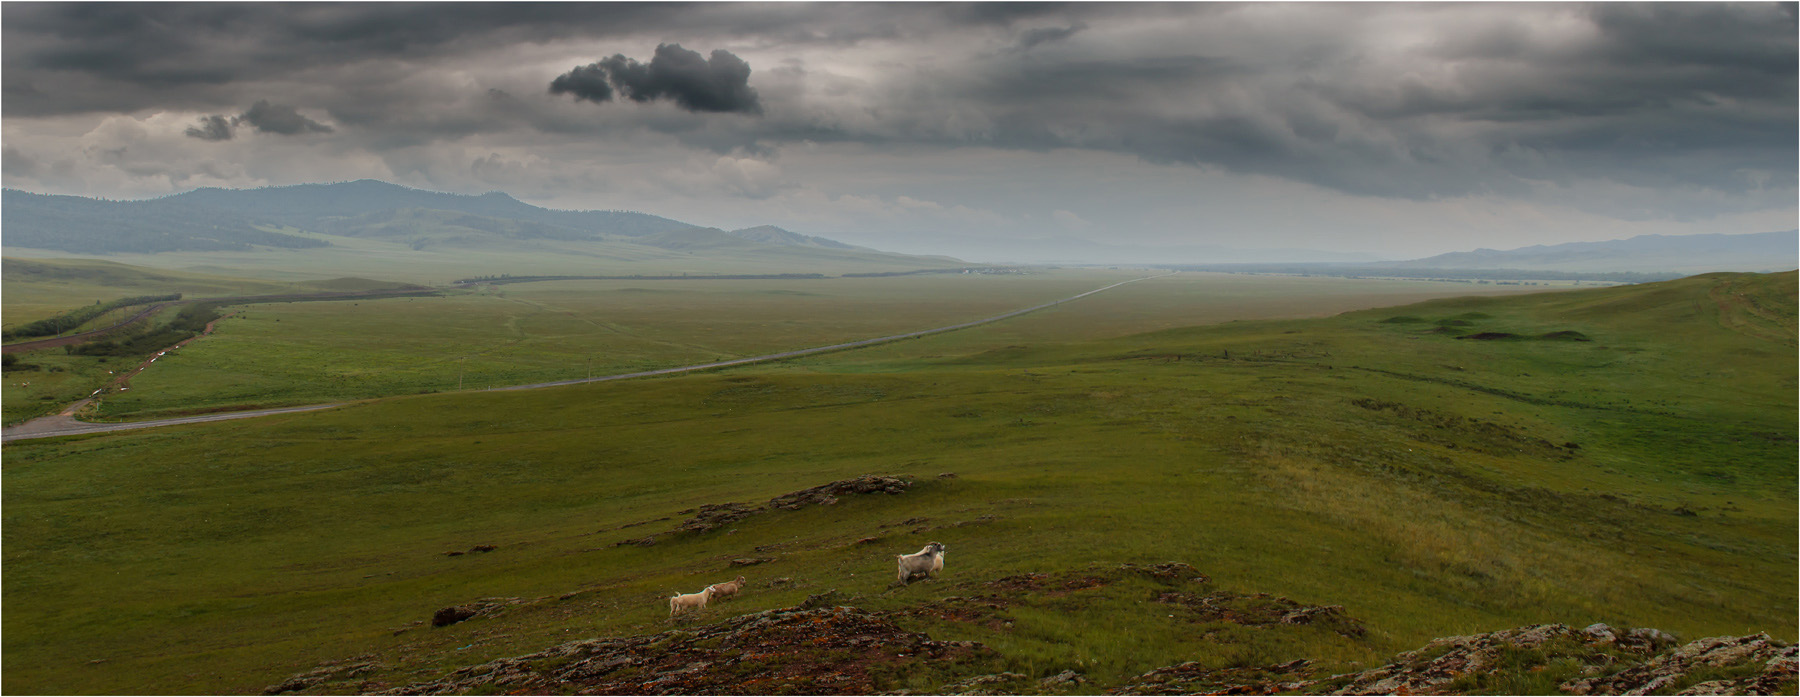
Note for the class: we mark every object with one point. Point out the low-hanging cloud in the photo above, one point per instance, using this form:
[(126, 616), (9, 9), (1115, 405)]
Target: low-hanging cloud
[(212, 128), (719, 84), (280, 119)]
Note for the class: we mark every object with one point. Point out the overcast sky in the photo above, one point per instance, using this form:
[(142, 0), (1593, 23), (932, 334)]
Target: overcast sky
[(1394, 130)]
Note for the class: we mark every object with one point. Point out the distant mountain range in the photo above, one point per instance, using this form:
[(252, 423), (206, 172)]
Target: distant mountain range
[(1762, 251), (243, 219), (393, 217)]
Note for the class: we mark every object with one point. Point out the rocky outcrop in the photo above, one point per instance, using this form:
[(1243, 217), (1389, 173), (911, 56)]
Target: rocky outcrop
[(447, 616), (1436, 668), (1610, 661), (826, 494), (1747, 665), (347, 672), (717, 515), (825, 650)]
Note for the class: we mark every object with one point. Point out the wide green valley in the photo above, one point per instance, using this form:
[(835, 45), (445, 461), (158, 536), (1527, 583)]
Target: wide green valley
[(1467, 464)]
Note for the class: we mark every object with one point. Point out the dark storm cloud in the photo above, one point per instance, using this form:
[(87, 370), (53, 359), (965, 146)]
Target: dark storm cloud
[(587, 82), (212, 128), (717, 84), (279, 119)]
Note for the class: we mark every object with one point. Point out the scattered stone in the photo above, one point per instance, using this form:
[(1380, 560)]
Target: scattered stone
[(1262, 610), (1063, 678), (751, 561), (969, 686), (829, 597), (453, 554), (840, 651), (946, 475), (483, 548), (867, 541), (716, 515), (334, 670), (780, 581), (1192, 677), (1170, 571), (1776, 661)]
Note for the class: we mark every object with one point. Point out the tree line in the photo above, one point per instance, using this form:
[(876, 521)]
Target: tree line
[(189, 322), (72, 319)]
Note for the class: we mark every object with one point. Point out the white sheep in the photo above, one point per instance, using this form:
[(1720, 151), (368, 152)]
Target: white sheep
[(927, 562), (691, 600)]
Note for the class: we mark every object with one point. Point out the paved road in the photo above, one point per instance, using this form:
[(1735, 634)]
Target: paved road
[(65, 425)]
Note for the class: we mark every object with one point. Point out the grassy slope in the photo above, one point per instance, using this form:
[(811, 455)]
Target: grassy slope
[(1418, 480)]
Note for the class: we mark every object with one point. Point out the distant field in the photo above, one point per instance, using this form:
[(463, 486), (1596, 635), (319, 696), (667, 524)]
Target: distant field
[(538, 332)]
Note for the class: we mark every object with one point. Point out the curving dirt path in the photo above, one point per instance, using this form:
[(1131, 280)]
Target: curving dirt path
[(64, 424)]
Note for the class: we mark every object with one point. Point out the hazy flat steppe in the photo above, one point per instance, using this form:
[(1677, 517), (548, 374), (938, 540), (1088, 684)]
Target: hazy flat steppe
[(293, 353), (1623, 455)]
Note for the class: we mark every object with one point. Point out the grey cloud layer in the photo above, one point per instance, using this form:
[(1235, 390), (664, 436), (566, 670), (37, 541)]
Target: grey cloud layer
[(1409, 101), (279, 119)]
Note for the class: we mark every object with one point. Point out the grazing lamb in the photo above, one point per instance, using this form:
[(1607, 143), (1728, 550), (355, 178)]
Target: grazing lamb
[(691, 600), (927, 562), (726, 589)]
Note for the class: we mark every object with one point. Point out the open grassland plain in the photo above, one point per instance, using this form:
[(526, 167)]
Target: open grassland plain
[(513, 334), (1448, 467)]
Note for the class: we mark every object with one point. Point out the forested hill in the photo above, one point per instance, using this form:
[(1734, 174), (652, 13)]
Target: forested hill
[(93, 226)]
